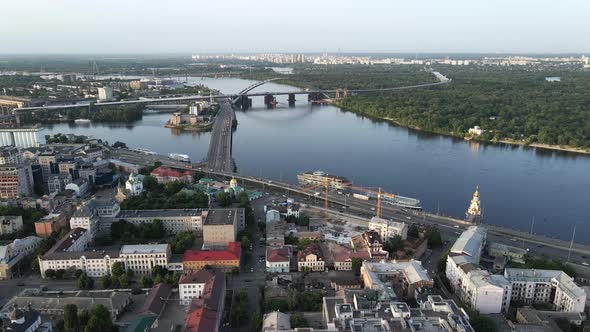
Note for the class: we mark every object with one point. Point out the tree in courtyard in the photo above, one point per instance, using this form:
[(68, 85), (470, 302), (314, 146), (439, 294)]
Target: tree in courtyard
[(123, 281), (414, 231), (297, 320), (223, 198), (393, 245), (356, 265), (118, 269), (105, 282), (71, 322), (100, 320), (83, 317), (433, 236)]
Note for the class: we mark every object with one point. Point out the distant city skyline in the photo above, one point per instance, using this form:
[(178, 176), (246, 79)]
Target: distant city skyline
[(233, 26)]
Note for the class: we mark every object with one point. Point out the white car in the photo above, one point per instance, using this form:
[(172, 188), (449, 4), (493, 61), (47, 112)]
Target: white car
[(585, 264)]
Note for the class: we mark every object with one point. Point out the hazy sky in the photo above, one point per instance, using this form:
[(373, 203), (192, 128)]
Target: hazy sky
[(187, 26)]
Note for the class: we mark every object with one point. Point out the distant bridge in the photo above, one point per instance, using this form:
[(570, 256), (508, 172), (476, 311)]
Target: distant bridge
[(245, 93)]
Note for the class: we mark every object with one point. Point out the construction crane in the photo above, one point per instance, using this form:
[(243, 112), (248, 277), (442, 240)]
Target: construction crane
[(378, 193)]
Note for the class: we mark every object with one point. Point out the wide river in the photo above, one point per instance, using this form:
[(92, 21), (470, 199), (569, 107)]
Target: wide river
[(517, 184)]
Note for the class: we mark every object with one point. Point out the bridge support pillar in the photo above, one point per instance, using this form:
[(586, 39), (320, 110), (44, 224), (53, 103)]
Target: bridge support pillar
[(314, 96), (269, 101), (291, 100)]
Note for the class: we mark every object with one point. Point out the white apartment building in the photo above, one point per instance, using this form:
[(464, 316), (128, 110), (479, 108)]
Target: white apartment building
[(138, 258), (192, 285), (85, 217), (10, 224), (476, 287), (546, 286), (470, 243), (388, 228), (105, 93), (93, 263), (25, 246), (143, 257)]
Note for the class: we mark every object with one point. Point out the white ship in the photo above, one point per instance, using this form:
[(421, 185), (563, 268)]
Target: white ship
[(180, 157), (82, 121)]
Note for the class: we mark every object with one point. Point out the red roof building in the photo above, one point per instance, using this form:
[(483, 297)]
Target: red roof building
[(201, 320), (223, 259), (165, 175)]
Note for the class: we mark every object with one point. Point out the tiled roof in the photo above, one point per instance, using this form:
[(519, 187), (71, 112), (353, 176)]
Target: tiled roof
[(197, 277), (232, 253), (312, 248), (163, 171), (156, 299), (201, 320), (277, 255)]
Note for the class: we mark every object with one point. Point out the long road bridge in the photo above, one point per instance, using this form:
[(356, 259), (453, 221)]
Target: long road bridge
[(220, 146), (240, 97)]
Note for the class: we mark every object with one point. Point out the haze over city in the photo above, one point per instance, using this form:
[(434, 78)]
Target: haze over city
[(179, 26), (264, 166)]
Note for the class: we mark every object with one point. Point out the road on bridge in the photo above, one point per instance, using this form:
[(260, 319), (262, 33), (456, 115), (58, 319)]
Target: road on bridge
[(219, 155)]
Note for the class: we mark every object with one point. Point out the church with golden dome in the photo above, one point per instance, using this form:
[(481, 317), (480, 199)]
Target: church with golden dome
[(474, 212)]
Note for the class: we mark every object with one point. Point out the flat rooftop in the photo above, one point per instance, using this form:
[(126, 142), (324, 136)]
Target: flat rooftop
[(144, 249), (128, 214), (222, 216)]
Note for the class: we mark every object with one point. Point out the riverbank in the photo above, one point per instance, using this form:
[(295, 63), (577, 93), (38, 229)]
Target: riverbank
[(396, 122)]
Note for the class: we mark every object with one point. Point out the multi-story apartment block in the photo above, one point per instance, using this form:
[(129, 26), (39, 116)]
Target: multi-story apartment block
[(16, 180), (138, 258), (389, 228), (224, 260), (85, 217), (546, 286), (173, 220), (476, 287), (142, 258), (221, 226)]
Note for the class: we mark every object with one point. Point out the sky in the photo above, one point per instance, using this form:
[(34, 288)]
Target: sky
[(269, 26)]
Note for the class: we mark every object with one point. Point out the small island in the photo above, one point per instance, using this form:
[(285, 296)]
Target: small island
[(200, 117)]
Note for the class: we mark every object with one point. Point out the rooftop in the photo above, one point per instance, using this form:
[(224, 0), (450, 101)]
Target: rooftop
[(222, 216), (566, 283), (145, 249), (67, 241), (470, 242), (128, 214), (196, 277), (232, 253)]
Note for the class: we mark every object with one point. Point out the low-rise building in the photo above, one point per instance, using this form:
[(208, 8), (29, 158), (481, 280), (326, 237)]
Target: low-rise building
[(277, 259), (10, 224), (514, 254), (389, 228), (405, 277), (13, 253), (52, 304), (224, 260), (546, 286), (311, 258), (165, 175)]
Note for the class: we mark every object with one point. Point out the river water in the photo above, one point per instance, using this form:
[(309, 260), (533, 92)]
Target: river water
[(516, 184)]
